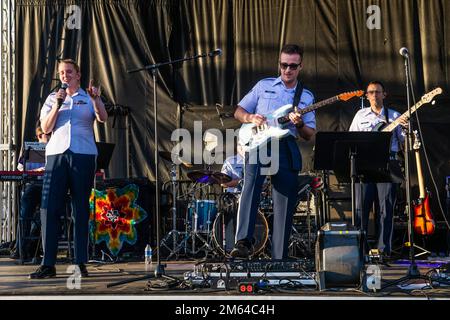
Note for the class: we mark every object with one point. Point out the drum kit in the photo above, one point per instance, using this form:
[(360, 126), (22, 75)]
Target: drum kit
[(210, 217)]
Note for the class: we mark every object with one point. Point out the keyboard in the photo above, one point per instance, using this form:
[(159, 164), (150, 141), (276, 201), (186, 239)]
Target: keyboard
[(16, 175)]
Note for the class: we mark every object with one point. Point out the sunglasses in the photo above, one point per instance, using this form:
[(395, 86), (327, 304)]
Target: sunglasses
[(292, 66), (43, 134)]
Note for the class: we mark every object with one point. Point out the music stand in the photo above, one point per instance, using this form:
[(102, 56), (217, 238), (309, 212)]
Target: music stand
[(104, 155), (105, 151), (33, 152), (35, 156), (352, 155)]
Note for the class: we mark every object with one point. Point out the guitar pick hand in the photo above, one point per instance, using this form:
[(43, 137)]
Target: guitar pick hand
[(257, 119)]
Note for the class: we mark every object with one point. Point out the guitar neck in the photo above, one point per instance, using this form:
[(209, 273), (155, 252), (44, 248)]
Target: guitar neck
[(396, 122), (420, 175), (310, 108), (318, 105)]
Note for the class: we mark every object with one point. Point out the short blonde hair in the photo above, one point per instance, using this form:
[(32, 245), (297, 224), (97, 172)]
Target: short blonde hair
[(72, 62)]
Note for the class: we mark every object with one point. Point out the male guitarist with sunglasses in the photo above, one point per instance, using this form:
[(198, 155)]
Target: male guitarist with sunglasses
[(267, 96)]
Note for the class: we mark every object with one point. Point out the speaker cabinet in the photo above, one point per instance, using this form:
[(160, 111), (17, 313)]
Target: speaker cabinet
[(339, 257)]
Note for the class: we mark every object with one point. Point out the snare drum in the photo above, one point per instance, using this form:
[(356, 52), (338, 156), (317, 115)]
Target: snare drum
[(201, 214)]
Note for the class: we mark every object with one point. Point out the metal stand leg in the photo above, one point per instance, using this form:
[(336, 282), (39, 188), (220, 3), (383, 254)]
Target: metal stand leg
[(195, 234), (174, 234)]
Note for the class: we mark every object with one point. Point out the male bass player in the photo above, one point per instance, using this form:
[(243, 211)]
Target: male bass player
[(366, 120), (266, 96)]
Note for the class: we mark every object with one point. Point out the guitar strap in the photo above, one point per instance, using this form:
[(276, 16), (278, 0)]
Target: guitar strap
[(386, 116), (298, 94), (386, 112), (394, 164)]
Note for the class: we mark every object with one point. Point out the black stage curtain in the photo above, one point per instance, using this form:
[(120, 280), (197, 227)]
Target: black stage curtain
[(341, 54)]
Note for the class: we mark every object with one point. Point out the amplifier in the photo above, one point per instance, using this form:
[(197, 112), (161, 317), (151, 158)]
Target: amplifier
[(339, 257)]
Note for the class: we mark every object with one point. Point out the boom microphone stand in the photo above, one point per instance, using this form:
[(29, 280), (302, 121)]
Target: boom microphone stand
[(159, 268), (413, 271)]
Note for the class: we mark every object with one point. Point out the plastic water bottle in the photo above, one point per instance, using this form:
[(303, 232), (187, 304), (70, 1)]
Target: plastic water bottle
[(148, 256)]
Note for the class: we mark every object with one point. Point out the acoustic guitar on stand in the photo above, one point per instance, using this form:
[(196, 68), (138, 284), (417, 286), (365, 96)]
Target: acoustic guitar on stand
[(423, 219)]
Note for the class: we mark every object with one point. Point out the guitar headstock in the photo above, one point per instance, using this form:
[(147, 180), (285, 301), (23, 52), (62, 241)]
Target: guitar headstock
[(416, 145), (348, 95), (426, 98)]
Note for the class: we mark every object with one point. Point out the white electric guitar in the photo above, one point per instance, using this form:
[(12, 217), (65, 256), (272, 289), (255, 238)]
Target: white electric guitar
[(252, 136)]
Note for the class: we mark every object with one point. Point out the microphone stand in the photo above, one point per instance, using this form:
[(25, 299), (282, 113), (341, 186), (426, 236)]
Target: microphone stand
[(159, 268), (413, 271)]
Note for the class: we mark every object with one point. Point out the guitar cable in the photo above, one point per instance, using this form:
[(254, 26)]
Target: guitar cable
[(425, 150)]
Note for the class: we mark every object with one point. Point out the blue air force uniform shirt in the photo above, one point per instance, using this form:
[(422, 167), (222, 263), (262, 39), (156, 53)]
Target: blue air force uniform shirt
[(74, 126), (234, 167), (365, 120), (270, 94)]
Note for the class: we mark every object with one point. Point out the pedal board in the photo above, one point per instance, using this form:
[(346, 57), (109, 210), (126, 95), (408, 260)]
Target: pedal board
[(231, 274)]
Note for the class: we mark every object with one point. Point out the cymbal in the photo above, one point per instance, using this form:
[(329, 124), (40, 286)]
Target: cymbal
[(206, 176), (168, 157)]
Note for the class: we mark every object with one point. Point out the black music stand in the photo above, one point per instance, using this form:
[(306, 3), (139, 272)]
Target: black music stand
[(104, 155), (36, 156), (352, 155), (33, 152), (105, 151)]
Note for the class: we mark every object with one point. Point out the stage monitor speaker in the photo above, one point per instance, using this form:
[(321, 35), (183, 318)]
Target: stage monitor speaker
[(339, 257)]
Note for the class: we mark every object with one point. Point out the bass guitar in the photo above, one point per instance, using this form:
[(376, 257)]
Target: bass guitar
[(423, 222), (252, 136), (426, 98)]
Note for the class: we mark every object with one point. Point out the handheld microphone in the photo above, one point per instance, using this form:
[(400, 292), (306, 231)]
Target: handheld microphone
[(60, 101), (216, 52), (404, 52)]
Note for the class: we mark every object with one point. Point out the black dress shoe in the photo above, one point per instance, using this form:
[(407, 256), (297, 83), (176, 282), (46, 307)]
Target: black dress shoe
[(43, 272), (15, 255), (241, 249), (83, 270)]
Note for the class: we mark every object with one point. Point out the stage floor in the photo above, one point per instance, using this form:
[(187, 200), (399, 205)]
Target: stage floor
[(14, 283)]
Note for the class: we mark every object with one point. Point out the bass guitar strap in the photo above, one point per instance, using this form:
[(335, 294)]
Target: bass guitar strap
[(298, 94)]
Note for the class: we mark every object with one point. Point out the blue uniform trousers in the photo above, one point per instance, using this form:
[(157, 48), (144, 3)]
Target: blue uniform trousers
[(64, 172), (384, 197), (284, 194)]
